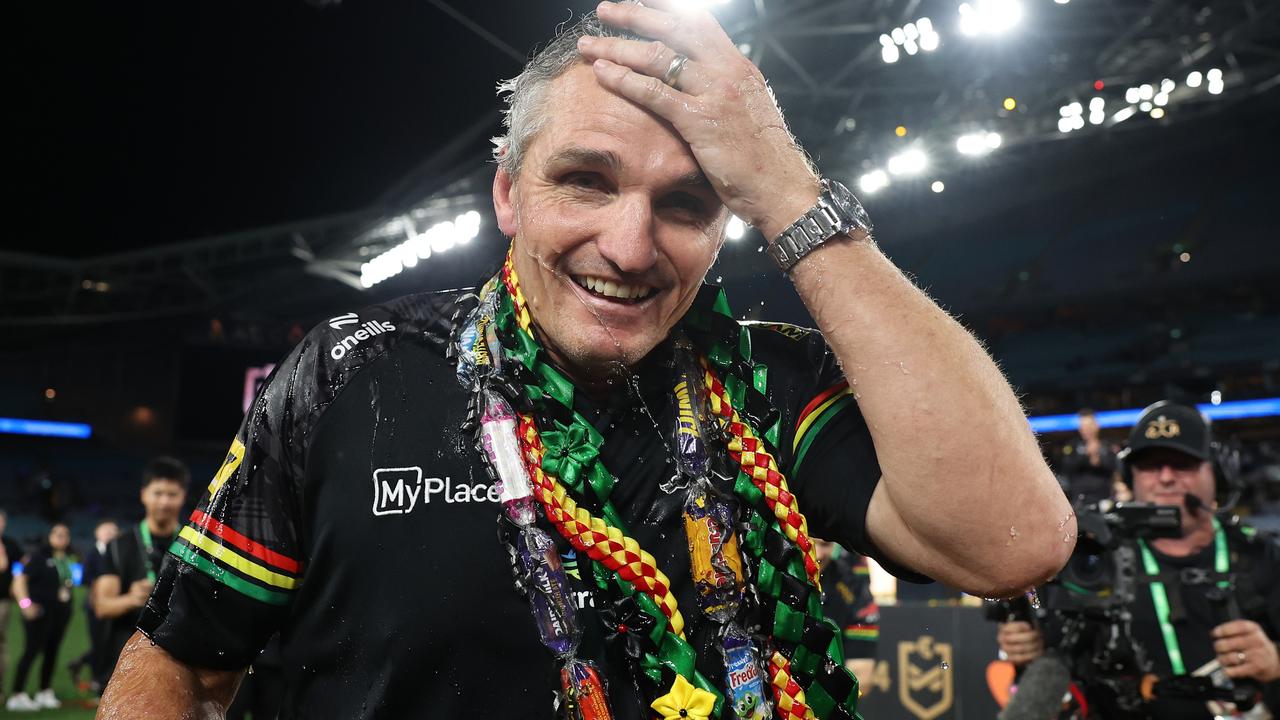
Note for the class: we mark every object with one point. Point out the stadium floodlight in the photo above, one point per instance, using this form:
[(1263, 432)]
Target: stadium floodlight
[(1097, 117), (1167, 86), (911, 47), (899, 35), (1157, 113), (1077, 122), (1216, 87), (1123, 114), (989, 17), (735, 228), (937, 186), (873, 181), (1145, 106), (978, 143), (1064, 125), (1132, 96), (1194, 78), (1161, 99), (910, 162), (416, 246), (888, 50), (1146, 92), (1096, 104), (1214, 74)]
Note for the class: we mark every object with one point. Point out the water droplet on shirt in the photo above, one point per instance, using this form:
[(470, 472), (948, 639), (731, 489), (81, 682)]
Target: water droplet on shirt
[(946, 665)]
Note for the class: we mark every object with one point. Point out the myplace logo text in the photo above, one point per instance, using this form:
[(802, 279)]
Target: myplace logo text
[(397, 491), (366, 331)]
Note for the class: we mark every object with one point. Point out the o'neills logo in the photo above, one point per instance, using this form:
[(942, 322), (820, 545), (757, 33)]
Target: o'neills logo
[(366, 331)]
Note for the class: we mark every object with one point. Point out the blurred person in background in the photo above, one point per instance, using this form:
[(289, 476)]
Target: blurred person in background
[(94, 564), (847, 601), (132, 560), (10, 552), (43, 593), (1089, 465)]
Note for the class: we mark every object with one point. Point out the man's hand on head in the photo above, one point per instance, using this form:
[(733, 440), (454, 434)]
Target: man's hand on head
[(720, 104), (1245, 651)]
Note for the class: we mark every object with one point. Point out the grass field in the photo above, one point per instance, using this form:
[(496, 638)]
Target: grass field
[(76, 704)]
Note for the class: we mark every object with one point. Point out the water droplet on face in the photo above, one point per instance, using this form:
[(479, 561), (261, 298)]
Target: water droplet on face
[(1013, 532), (1033, 598), (857, 396)]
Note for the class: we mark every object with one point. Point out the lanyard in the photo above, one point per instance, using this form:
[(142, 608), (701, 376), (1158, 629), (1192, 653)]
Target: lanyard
[(1160, 598), (144, 533), (63, 566)]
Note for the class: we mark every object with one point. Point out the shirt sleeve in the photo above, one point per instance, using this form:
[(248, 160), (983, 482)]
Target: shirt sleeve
[(233, 569), (826, 447)]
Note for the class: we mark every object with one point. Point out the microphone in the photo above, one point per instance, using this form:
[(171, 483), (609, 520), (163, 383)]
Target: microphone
[(1040, 690), (1193, 502)]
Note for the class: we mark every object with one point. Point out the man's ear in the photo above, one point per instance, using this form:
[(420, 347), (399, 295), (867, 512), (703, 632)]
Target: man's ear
[(504, 206)]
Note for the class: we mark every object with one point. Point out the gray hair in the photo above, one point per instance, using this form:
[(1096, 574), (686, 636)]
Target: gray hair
[(525, 94)]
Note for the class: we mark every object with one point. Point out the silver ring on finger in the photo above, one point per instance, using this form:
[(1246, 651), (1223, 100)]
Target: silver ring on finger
[(673, 70), (1240, 657)]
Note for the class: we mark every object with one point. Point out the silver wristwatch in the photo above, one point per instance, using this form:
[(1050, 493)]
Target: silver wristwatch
[(836, 213)]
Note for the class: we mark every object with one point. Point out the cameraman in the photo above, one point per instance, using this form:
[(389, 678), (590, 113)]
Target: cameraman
[(1169, 462)]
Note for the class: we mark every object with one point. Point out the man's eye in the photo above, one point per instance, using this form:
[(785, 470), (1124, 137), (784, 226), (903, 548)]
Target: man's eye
[(583, 181), (685, 201)]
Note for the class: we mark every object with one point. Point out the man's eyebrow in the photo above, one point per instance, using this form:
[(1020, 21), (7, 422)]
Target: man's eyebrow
[(694, 179), (575, 155), (589, 157)]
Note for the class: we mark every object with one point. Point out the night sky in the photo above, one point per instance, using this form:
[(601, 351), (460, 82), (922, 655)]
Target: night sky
[(138, 124)]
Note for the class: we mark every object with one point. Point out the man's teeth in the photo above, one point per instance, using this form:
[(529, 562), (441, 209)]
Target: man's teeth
[(609, 288)]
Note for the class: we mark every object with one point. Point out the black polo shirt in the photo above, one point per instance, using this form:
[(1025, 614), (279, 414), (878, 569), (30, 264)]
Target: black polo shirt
[(354, 516), (127, 559)]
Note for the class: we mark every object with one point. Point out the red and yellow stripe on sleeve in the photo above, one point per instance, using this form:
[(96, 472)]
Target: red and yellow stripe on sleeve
[(236, 561), (815, 416)]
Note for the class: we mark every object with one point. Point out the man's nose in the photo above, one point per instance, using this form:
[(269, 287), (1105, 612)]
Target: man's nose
[(1167, 475), (628, 239)]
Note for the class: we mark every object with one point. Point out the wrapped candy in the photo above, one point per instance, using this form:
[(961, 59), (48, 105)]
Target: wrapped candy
[(549, 598), (584, 691), (690, 439), (498, 436), (714, 560), (743, 678)]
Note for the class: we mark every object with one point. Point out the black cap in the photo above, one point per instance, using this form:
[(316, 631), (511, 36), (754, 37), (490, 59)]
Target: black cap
[(1172, 425)]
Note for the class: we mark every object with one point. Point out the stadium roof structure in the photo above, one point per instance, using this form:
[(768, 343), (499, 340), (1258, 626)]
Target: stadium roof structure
[(974, 89)]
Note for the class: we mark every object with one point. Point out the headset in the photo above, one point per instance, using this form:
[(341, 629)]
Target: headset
[(1223, 458)]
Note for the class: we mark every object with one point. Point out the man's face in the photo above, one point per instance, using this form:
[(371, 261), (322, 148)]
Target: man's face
[(609, 202), (1165, 477), (1088, 427), (106, 532), (163, 500)]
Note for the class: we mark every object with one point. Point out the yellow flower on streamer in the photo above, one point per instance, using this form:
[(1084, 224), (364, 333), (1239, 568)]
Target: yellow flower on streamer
[(684, 701)]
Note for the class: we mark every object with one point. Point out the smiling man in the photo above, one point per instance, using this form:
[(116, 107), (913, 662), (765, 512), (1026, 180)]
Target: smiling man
[(655, 469)]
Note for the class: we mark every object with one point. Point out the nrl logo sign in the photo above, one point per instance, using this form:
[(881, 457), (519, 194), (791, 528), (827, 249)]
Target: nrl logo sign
[(924, 680)]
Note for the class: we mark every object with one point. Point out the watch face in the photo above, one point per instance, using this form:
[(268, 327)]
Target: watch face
[(849, 205)]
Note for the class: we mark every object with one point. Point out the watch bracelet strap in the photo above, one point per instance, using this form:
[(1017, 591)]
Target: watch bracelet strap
[(811, 231)]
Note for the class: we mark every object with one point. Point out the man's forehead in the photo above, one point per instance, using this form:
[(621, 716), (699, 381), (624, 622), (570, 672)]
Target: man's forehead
[(586, 122)]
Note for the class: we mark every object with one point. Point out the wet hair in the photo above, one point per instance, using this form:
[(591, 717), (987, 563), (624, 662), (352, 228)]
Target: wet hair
[(525, 94), (166, 468)]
